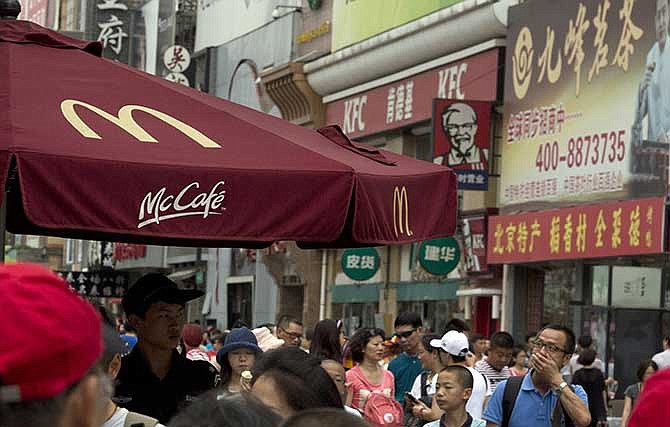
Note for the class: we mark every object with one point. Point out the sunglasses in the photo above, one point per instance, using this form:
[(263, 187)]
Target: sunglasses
[(405, 334)]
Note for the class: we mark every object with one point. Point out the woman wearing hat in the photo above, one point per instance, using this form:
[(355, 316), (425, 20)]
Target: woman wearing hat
[(237, 355)]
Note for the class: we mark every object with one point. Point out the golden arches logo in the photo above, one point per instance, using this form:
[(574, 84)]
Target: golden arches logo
[(125, 121), (401, 212)]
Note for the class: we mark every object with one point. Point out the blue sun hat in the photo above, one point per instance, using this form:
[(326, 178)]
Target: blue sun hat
[(238, 338)]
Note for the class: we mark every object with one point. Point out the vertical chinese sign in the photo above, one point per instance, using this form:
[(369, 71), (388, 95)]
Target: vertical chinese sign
[(113, 21), (633, 227), (587, 108), (474, 243), (461, 134)]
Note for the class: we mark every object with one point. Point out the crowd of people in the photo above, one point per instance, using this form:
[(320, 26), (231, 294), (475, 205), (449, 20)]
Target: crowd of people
[(160, 372)]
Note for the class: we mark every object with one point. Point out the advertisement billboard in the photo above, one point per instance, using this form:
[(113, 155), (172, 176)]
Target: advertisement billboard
[(587, 102), (461, 136), (633, 227), (356, 20)]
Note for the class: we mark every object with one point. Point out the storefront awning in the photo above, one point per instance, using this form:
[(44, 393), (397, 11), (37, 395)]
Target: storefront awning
[(478, 292)]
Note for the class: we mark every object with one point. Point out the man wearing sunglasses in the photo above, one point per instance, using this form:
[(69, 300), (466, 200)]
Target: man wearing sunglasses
[(290, 330), (407, 366), (541, 390)]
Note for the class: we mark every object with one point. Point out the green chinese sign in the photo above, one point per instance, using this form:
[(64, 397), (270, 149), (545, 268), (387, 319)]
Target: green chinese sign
[(360, 264), (439, 256)]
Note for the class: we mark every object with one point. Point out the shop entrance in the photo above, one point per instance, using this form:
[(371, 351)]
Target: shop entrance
[(239, 303)]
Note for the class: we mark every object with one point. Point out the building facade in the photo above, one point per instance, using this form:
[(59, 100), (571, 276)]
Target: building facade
[(584, 176)]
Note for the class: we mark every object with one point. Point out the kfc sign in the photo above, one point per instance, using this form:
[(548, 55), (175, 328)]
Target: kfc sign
[(409, 100), (461, 140)]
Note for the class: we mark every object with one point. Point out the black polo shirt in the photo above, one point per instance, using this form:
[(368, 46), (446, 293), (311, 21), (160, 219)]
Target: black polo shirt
[(139, 390)]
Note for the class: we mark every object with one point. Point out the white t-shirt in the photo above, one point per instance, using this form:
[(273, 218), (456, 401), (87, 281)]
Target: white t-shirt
[(662, 359), (416, 387), (119, 419), (480, 391), (574, 366)]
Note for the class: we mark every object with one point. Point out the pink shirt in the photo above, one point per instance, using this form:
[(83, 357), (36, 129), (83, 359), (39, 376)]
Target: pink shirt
[(361, 388)]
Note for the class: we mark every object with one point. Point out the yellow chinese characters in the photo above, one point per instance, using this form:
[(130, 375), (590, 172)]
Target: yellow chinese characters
[(602, 49), (589, 26), (544, 62), (634, 228), (616, 228), (630, 31), (574, 43), (601, 226)]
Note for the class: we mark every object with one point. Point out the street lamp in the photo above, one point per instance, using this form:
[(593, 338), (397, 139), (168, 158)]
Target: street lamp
[(276, 14)]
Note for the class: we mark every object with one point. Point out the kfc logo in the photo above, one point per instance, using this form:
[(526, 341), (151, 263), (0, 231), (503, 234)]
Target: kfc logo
[(161, 207), (461, 140)]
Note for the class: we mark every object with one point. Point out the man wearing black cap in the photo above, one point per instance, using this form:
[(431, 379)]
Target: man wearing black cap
[(155, 379)]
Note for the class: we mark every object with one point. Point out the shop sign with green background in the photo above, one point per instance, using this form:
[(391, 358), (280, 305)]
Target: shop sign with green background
[(356, 20), (439, 256), (360, 264)]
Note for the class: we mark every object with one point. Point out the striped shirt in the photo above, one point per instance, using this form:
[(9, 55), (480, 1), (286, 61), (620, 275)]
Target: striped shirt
[(492, 374), (197, 354)]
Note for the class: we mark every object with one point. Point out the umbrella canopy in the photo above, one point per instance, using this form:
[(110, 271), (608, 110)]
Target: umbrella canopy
[(94, 149)]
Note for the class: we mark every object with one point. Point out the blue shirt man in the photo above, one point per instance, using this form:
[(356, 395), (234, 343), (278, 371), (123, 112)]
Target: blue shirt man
[(543, 386), (407, 366)]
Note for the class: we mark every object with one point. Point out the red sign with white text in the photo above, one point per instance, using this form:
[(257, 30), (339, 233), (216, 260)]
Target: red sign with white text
[(474, 242), (410, 100), (633, 227), (126, 251)]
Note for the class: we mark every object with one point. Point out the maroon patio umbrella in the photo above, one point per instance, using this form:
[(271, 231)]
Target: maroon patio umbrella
[(93, 149)]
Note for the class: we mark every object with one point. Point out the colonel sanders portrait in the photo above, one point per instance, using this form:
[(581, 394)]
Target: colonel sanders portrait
[(459, 124)]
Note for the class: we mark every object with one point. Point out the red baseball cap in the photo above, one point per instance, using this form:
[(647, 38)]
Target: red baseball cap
[(50, 336), (652, 407)]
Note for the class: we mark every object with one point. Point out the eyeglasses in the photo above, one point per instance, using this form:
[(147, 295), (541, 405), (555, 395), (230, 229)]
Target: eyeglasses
[(538, 344), (292, 335), (405, 334)]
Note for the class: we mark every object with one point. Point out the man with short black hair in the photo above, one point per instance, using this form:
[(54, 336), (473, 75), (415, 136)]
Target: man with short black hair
[(495, 367), (155, 379), (407, 366), (534, 402), (55, 380), (478, 345), (457, 325), (290, 330)]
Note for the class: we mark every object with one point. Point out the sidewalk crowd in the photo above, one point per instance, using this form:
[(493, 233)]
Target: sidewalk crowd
[(66, 363)]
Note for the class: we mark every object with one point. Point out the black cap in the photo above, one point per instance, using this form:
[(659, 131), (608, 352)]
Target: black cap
[(9, 9), (152, 288)]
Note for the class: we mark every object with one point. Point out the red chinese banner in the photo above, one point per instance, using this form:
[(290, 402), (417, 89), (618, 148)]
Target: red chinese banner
[(125, 251), (615, 229)]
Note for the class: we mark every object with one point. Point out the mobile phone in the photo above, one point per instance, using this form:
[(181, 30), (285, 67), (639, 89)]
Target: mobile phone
[(411, 398)]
